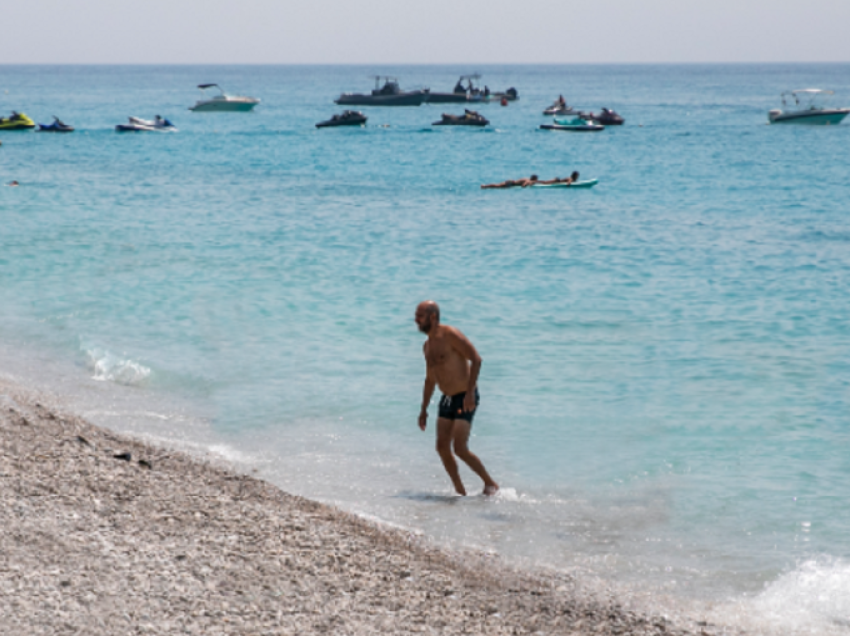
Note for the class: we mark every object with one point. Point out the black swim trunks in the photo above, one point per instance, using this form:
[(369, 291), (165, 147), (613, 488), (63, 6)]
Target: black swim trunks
[(451, 407)]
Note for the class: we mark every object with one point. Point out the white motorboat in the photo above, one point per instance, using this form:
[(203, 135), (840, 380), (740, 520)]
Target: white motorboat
[(223, 102), (136, 124), (807, 107)]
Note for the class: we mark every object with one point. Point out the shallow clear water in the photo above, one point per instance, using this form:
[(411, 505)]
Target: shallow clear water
[(665, 386)]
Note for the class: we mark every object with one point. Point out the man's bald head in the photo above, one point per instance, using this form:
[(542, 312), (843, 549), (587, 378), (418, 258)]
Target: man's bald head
[(427, 315)]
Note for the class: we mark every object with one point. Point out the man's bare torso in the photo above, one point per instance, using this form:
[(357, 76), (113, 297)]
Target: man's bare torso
[(446, 366)]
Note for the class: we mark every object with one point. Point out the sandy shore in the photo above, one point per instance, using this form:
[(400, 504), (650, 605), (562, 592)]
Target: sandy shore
[(102, 534)]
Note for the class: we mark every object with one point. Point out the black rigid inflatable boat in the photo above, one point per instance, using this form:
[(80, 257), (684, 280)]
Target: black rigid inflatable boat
[(387, 95), (347, 118)]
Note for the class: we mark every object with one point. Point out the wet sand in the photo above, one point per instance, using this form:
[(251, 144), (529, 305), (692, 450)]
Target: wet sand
[(103, 534)]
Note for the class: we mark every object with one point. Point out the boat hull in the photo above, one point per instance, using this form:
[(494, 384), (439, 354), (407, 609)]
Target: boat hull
[(334, 123), (224, 107), (589, 183), (329, 124), (54, 128), (809, 117), (447, 98), (414, 98), (460, 121), (576, 128)]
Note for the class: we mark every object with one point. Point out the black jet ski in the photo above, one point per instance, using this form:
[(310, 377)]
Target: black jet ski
[(387, 95), (469, 118), (347, 118), (57, 126), (606, 117)]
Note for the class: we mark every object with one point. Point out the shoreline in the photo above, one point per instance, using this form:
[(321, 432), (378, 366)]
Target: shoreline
[(107, 534)]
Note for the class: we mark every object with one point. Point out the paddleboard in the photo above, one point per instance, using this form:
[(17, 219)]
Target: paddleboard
[(589, 183)]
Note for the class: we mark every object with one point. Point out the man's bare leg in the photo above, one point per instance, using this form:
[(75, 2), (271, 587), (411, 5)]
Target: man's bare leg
[(445, 436), (460, 439)]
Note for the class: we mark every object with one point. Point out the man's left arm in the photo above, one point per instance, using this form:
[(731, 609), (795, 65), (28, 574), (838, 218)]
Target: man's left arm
[(469, 352)]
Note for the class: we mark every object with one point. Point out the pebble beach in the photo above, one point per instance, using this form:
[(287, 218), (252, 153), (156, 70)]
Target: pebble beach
[(103, 534)]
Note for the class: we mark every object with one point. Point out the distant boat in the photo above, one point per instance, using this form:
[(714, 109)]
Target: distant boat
[(469, 118), (158, 124), (57, 126), (807, 109), (460, 93), (223, 103), (18, 121), (347, 118), (573, 125), (387, 95), (560, 107), (606, 117)]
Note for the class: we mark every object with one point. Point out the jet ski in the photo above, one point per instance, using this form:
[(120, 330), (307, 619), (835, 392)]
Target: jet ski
[(560, 107), (606, 117), (347, 118), (159, 124), (18, 121), (57, 126), (573, 125), (469, 118)]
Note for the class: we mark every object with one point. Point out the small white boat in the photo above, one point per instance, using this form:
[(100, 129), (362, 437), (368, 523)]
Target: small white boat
[(136, 124), (223, 102), (807, 108)]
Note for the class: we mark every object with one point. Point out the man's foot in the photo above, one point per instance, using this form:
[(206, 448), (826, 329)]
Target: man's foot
[(491, 489)]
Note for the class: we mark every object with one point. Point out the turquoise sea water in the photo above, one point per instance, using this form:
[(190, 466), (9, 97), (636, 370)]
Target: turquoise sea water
[(665, 386)]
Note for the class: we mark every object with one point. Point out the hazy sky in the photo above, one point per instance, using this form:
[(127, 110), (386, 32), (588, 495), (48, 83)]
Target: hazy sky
[(422, 32)]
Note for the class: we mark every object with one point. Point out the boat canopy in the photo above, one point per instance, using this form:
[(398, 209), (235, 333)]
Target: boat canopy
[(208, 86)]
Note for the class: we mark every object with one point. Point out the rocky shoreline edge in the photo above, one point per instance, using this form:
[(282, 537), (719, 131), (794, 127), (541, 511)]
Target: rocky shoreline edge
[(103, 534)]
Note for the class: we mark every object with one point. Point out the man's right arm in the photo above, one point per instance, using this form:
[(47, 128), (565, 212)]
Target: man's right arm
[(427, 393)]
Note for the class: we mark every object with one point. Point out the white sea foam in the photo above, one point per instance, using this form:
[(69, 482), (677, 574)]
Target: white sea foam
[(230, 454), (108, 367), (812, 599)]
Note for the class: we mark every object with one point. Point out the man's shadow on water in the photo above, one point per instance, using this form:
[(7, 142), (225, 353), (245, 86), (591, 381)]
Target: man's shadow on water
[(486, 512), (429, 497)]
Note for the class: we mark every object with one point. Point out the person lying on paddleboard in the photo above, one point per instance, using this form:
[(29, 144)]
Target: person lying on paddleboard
[(512, 183), (571, 179)]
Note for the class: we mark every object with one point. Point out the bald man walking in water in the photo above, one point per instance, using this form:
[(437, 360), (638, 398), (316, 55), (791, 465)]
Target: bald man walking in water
[(452, 363)]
